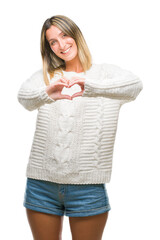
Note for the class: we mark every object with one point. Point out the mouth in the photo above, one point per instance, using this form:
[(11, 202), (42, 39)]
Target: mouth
[(67, 51)]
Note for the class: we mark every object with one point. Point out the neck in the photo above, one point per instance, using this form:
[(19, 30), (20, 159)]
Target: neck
[(74, 65)]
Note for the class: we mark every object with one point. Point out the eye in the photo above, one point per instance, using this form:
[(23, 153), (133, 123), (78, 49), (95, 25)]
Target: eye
[(52, 42), (64, 34)]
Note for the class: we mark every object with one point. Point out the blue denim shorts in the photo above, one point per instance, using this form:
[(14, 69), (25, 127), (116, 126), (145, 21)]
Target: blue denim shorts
[(73, 200)]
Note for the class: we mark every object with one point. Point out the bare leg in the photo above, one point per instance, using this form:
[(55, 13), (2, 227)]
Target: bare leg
[(45, 226), (89, 228)]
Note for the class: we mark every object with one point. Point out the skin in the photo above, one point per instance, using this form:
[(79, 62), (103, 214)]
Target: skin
[(59, 42), (49, 226)]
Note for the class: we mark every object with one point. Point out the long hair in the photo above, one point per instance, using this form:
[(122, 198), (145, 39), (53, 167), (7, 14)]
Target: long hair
[(51, 62)]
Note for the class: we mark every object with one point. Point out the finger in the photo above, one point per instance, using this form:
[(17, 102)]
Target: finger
[(61, 84), (71, 84), (77, 94), (77, 81), (65, 97), (66, 80), (63, 80)]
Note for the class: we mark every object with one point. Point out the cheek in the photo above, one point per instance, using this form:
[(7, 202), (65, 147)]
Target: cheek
[(74, 45), (72, 41), (75, 48), (54, 49)]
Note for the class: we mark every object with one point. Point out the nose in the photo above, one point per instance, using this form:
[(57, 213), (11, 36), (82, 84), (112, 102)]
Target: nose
[(61, 44)]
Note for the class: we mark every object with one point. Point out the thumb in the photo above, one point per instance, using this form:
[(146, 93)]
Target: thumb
[(63, 96), (77, 94)]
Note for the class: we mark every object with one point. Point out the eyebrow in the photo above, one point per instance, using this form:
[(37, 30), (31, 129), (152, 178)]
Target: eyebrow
[(53, 38)]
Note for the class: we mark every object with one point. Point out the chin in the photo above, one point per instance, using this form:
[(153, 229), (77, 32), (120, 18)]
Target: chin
[(72, 57)]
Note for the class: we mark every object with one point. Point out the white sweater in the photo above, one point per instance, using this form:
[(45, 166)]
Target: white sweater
[(74, 139)]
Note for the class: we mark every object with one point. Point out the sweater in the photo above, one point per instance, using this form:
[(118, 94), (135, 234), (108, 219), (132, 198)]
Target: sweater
[(74, 139)]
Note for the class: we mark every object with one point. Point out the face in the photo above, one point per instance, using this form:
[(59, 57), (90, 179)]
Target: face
[(62, 45)]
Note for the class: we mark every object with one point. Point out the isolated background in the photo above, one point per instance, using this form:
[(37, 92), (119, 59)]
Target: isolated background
[(122, 32)]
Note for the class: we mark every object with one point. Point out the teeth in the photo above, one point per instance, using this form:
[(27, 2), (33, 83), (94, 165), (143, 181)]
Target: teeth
[(66, 50)]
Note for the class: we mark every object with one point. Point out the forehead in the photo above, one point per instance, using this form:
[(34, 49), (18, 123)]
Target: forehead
[(53, 31)]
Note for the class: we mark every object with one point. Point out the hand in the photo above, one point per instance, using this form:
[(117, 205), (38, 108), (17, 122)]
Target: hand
[(54, 89), (80, 82)]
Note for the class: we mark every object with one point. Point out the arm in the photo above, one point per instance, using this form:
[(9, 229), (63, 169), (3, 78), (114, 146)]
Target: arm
[(32, 93), (117, 83)]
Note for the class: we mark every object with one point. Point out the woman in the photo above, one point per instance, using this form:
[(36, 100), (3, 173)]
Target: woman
[(78, 104)]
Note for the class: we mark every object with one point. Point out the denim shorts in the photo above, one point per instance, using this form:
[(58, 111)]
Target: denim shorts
[(73, 200)]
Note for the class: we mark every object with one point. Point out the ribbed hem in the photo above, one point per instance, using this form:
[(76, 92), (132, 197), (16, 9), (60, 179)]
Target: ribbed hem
[(95, 177)]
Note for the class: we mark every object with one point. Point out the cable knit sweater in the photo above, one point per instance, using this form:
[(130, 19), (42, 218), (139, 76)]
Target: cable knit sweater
[(74, 139)]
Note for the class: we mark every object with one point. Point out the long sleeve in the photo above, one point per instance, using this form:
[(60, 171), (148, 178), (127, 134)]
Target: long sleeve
[(32, 94), (116, 83)]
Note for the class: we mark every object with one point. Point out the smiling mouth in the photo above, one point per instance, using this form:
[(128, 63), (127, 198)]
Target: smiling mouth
[(65, 52)]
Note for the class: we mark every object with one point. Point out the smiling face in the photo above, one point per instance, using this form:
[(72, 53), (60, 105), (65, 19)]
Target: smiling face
[(62, 45)]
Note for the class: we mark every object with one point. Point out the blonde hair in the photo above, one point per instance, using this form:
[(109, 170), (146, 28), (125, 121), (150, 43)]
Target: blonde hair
[(51, 62)]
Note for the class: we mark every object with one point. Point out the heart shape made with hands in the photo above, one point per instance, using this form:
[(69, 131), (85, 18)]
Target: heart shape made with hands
[(70, 91), (75, 88)]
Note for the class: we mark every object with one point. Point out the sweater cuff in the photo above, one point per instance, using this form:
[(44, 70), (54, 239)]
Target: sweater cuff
[(44, 97), (88, 89), (120, 89)]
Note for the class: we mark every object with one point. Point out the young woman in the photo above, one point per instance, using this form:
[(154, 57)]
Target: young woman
[(78, 104)]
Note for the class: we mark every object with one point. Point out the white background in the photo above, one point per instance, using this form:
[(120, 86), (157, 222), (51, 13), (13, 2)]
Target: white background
[(122, 32)]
